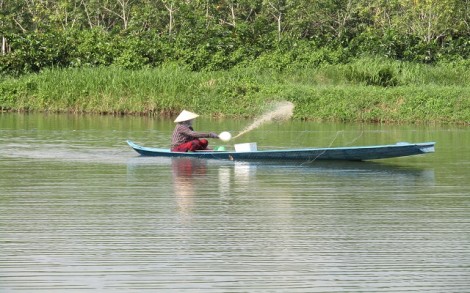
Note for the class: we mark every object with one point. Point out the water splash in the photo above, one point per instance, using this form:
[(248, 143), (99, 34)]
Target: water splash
[(282, 111)]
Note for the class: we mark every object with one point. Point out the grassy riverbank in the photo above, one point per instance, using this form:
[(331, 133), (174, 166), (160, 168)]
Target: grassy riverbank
[(367, 90)]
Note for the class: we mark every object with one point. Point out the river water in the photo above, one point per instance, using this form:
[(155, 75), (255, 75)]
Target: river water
[(81, 211)]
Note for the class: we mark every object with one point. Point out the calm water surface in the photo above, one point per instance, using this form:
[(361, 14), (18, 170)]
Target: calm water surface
[(81, 211)]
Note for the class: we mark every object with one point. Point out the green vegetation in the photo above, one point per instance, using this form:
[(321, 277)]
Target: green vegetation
[(365, 90), (221, 34), (365, 60)]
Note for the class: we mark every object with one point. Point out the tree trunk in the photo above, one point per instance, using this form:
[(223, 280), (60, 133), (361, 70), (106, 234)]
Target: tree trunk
[(4, 45), (171, 10)]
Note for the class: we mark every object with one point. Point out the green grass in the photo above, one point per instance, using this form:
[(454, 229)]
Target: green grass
[(369, 90)]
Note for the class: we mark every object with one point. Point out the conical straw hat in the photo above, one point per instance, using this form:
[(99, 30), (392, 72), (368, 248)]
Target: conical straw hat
[(185, 116)]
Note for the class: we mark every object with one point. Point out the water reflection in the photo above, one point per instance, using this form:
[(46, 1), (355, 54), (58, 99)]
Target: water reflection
[(184, 171), (347, 169), (80, 210)]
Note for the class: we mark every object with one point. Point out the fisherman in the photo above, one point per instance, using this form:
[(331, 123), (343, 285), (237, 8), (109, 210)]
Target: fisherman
[(185, 138)]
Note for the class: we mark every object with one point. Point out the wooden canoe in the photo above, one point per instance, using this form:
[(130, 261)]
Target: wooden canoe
[(358, 153)]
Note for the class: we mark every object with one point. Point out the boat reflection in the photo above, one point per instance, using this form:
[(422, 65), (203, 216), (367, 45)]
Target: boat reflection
[(345, 168), (350, 170), (185, 170)]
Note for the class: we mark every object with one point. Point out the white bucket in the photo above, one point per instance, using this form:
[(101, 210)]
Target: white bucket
[(246, 147)]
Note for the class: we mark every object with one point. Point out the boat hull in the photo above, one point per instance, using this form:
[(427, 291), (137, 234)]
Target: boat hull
[(360, 153)]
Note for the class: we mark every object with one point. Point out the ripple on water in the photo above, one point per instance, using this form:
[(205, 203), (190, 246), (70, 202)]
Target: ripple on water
[(83, 219)]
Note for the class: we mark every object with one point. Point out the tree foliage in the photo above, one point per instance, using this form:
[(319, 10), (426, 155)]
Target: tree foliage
[(220, 34)]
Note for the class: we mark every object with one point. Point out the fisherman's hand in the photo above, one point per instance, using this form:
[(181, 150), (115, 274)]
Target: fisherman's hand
[(213, 135)]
